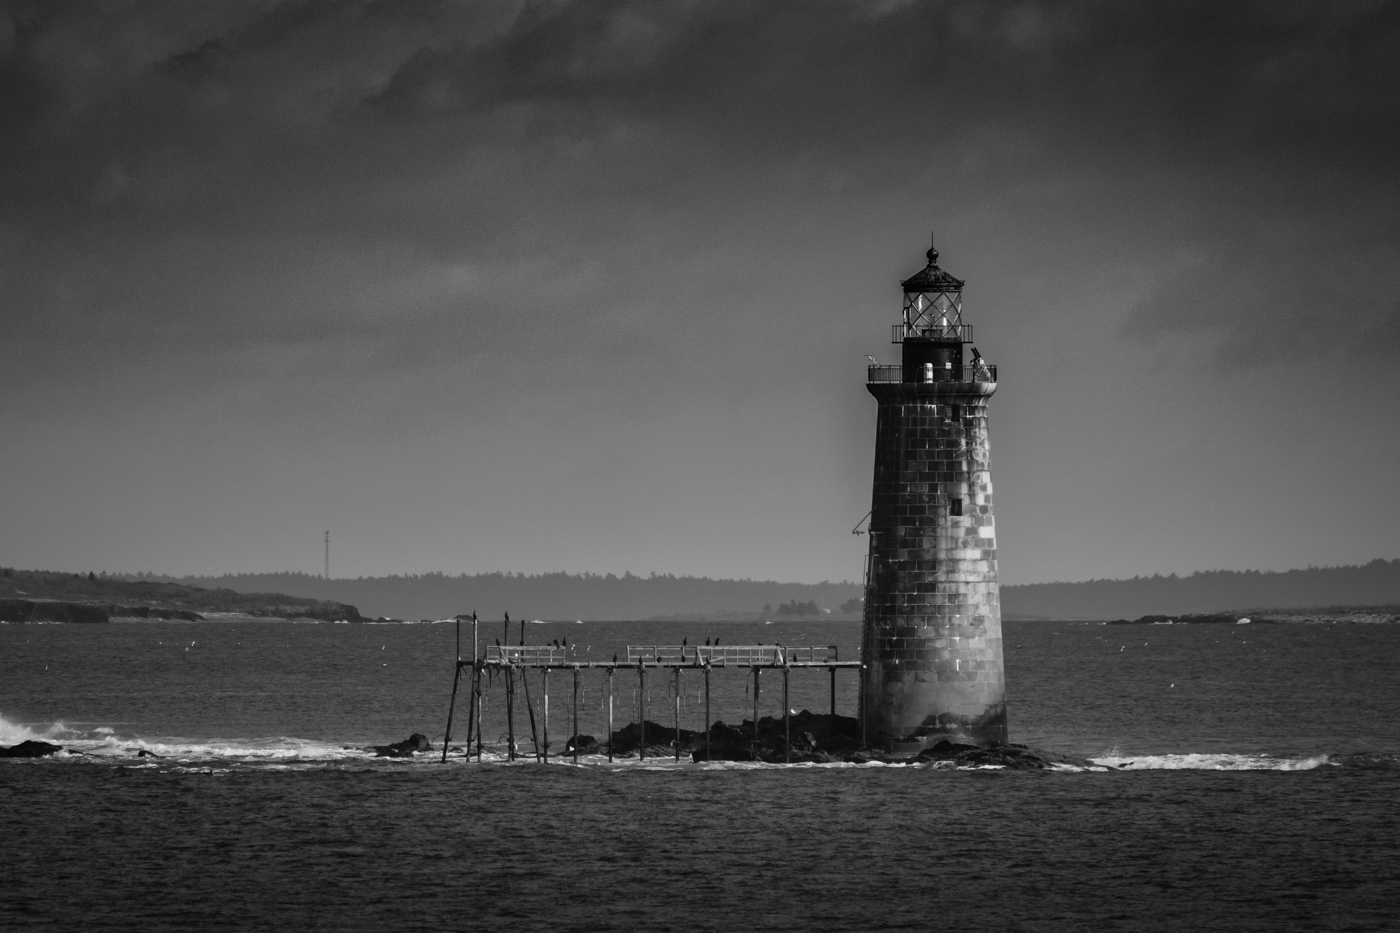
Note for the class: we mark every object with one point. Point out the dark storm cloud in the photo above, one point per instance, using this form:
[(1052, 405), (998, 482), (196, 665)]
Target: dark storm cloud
[(459, 272), (184, 173), (1285, 285)]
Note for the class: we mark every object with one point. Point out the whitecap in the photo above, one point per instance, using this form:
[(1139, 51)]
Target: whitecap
[(12, 733), (1210, 761)]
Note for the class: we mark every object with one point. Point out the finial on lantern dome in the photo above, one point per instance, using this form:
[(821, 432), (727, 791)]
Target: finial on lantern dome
[(932, 250)]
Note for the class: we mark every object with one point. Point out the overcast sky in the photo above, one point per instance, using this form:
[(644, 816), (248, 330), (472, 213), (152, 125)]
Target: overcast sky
[(588, 286)]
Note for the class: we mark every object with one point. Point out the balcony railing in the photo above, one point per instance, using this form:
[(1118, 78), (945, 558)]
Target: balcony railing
[(527, 654), (982, 372), (958, 332), (740, 655)]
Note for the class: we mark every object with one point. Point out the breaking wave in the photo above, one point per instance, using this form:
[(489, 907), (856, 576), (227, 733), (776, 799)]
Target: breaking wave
[(13, 733), (106, 742), (1218, 762)]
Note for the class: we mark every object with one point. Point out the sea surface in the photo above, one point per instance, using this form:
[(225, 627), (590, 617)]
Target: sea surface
[(1242, 777)]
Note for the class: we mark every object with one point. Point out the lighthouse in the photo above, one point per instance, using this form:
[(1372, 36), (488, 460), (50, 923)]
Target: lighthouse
[(931, 642)]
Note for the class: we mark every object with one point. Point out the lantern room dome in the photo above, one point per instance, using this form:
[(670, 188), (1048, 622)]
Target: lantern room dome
[(931, 278)]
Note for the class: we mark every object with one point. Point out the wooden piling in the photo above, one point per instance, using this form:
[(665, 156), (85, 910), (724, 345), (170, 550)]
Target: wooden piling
[(451, 707), (707, 710), (861, 706), (642, 702), (476, 690), (575, 714), (452, 703), (610, 712), (471, 710), (510, 713), (678, 714), (546, 715), (833, 692), (755, 713), (787, 718), (479, 743), (530, 707)]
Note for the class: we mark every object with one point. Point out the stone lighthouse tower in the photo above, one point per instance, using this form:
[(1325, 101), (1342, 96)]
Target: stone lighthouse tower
[(932, 628)]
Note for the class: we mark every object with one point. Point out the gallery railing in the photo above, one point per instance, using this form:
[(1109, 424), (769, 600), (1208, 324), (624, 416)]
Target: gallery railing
[(981, 372)]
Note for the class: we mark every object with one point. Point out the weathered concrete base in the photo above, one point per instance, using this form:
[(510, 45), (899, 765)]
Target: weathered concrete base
[(986, 729)]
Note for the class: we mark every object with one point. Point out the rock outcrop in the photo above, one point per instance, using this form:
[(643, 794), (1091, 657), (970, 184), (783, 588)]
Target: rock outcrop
[(815, 738), (1014, 757), (417, 742), (30, 749)]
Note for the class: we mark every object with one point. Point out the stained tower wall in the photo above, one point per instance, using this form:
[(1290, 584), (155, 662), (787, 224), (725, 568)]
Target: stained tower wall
[(932, 631)]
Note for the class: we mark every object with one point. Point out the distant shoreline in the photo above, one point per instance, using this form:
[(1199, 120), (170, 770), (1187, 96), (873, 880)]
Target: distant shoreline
[(48, 596), (1363, 593)]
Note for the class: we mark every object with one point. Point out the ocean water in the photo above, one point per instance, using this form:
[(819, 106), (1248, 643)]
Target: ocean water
[(1255, 786)]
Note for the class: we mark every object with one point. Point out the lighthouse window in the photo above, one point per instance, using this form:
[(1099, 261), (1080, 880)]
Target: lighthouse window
[(955, 412), (955, 505)]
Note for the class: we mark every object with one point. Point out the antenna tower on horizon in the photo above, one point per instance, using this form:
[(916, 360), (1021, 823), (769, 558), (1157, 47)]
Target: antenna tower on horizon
[(328, 555)]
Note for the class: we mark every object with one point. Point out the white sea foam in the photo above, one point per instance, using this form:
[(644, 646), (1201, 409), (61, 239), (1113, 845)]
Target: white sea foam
[(267, 749), (106, 742), (12, 733), (1210, 762)]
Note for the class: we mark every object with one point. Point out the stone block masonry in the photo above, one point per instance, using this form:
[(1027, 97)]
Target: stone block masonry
[(932, 632)]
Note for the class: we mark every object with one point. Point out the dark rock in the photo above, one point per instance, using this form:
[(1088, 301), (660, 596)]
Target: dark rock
[(727, 743), (417, 742), (30, 749), (816, 737), (587, 745), (144, 753), (629, 739), (1014, 757)]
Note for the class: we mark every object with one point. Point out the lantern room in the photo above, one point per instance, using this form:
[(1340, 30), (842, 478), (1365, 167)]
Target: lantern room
[(932, 330)]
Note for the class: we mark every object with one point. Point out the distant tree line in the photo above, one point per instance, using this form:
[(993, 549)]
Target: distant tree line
[(794, 608), (608, 596), (556, 596), (1374, 584)]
